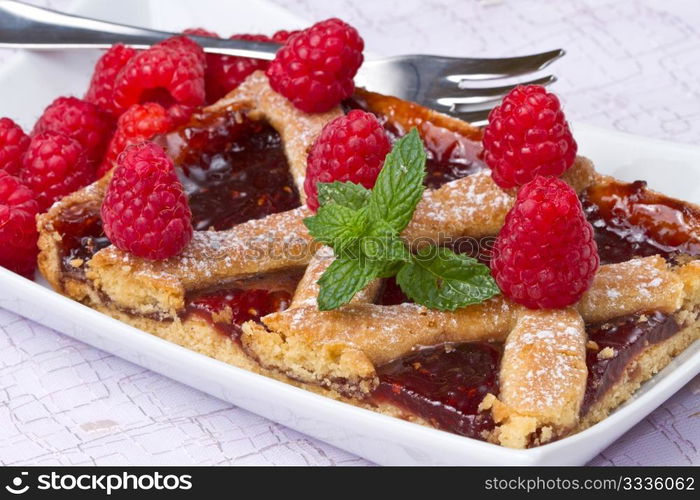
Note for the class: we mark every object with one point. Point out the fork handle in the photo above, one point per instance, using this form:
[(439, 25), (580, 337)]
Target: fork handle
[(30, 27)]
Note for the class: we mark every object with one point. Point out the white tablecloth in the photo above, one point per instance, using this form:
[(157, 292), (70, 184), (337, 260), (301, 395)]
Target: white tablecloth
[(631, 65)]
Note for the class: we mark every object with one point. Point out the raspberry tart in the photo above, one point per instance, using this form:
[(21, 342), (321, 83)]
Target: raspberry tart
[(478, 316)]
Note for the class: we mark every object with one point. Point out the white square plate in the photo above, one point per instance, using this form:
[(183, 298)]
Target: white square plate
[(31, 80)]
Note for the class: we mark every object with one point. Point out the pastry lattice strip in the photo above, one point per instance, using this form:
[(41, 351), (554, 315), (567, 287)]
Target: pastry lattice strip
[(281, 241), (342, 349), (384, 333)]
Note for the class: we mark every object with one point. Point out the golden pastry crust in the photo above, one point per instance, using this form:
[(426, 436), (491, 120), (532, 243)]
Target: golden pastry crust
[(348, 343), (474, 206), (277, 242), (309, 344), (629, 287), (542, 378), (405, 115), (86, 200)]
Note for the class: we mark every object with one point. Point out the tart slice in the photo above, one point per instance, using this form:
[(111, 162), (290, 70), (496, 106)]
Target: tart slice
[(246, 290)]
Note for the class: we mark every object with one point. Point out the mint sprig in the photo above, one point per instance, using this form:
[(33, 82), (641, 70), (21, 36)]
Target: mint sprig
[(399, 186), (345, 194), (342, 280), (363, 227), (337, 226), (438, 278)]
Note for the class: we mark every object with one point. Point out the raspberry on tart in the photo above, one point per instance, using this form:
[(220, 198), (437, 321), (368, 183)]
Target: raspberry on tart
[(54, 166), (79, 120), (351, 148), (106, 70), (18, 234), (527, 135), (13, 144), (170, 73), (316, 66), (140, 122), (145, 211), (545, 256)]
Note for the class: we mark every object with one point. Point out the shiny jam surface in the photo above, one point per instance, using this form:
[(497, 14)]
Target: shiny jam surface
[(630, 221), (233, 170), (228, 309), (444, 385), (626, 337), (83, 237), (450, 155)]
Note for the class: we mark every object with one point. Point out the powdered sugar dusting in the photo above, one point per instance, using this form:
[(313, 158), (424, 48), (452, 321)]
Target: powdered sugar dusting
[(275, 242), (544, 362), (471, 206), (632, 286)]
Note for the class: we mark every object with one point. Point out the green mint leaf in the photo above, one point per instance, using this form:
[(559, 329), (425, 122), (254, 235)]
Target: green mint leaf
[(347, 194), (440, 279), (399, 186), (385, 248), (337, 225), (342, 280)]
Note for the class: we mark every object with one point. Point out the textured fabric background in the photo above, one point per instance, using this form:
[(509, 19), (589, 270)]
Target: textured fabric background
[(631, 65)]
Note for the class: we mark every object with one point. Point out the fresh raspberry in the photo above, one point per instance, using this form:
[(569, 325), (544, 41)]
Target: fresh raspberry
[(140, 122), (145, 211), (315, 67), (225, 73), (283, 35), (13, 144), (527, 135), (80, 120), (18, 234), (201, 32), (106, 70), (350, 148), (545, 256), (54, 166), (170, 73), (186, 45)]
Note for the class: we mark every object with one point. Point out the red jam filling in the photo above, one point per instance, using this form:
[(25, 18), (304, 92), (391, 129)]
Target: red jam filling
[(444, 385), (450, 155), (228, 309), (630, 221), (626, 337), (82, 238), (233, 170)]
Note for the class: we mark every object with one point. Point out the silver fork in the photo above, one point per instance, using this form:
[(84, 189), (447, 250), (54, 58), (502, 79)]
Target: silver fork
[(440, 83)]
